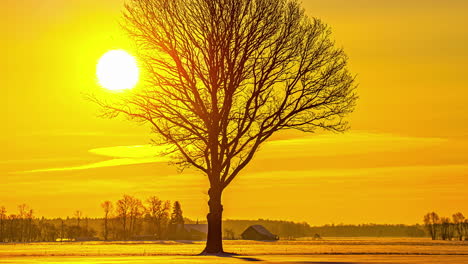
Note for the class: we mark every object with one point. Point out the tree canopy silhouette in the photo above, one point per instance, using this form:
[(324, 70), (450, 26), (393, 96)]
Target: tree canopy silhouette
[(222, 76)]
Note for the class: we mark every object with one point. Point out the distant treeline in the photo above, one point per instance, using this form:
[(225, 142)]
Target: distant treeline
[(127, 219), (369, 230), (286, 229), (446, 228), (154, 219)]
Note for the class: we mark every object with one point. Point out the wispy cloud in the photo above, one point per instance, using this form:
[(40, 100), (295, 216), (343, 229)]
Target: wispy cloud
[(308, 146), (101, 164), (121, 155), (134, 152)]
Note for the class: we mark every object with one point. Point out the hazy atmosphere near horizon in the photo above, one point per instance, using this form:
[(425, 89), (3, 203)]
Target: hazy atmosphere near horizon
[(405, 154)]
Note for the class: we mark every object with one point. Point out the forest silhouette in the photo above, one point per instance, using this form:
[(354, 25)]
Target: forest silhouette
[(153, 219)]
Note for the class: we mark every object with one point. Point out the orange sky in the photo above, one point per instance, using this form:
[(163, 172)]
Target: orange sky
[(405, 155)]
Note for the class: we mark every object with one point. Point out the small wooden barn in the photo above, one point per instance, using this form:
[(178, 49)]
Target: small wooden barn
[(258, 232)]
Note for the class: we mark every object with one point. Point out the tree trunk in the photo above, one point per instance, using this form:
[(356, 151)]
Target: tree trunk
[(214, 243)]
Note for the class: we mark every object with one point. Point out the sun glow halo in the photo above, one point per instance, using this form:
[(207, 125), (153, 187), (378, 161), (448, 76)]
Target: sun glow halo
[(117, 70)]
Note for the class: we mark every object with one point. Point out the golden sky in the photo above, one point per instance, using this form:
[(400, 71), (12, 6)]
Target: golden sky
[(405, 155)]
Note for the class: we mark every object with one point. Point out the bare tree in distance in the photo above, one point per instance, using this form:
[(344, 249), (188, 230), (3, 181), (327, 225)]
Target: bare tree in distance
[(123, 212), (158, 212), (136, 211), (446, 228), (107, 207), (458, 221), (222, 76), (431, 221)]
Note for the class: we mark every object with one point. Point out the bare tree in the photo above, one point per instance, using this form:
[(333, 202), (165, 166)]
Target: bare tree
[(136, 211), (29, 216), (123, 211), (431, 222), (107, 207), (446, 228), (129, 209), (23, 210), (224, 75), (158, 212), (458, 221)]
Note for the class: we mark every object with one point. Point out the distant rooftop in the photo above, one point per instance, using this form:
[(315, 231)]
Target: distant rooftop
[(262, 230), (197, 227)]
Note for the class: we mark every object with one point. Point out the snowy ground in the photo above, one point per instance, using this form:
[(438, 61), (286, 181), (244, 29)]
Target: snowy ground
[(300, 259), (344, 251)]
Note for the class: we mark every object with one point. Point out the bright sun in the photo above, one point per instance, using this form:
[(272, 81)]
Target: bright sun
[(117, 70)]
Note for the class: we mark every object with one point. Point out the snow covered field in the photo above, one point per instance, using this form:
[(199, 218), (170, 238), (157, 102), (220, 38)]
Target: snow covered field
[(329, 250)]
